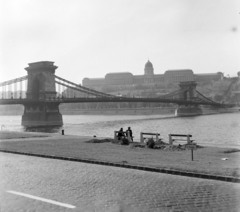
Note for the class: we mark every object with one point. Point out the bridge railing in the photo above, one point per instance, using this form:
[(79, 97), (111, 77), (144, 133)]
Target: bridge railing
[(14, 89)]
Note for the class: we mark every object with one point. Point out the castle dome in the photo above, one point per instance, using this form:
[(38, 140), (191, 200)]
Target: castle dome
[(148, 70), (148, 64)]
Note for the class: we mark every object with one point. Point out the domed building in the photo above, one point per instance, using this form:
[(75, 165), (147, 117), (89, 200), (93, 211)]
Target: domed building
[(148, 69), (121, 80)]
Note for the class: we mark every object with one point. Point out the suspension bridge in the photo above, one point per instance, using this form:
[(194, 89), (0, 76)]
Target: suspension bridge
[(41, 92)]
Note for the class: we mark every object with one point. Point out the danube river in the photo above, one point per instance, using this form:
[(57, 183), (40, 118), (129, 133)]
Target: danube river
[(218, 129)]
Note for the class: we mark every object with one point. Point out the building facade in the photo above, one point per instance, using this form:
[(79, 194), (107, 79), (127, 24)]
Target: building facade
[(127, 79)]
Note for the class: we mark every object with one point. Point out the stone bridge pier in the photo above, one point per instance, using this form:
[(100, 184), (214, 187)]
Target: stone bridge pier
[(188, 94), (41, 86)]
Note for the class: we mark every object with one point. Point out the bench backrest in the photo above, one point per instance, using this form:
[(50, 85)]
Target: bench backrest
[(153, 134), (180, 135), (150, 134)]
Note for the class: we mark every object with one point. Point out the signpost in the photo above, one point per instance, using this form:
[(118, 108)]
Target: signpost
[(192, 147)]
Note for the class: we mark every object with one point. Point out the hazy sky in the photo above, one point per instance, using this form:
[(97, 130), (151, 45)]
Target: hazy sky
[(89, 38)]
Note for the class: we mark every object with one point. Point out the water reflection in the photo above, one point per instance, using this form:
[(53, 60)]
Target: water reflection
[(49, 129)]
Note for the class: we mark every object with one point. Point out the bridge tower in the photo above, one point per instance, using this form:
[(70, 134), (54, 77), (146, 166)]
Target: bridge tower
[(41, 87), (188, 93), (189, 90)]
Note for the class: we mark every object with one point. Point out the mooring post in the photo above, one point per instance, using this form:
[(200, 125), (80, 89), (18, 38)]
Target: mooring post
[(170, 139), (192, 153), (141, 137), (188, 139), (156, 137)]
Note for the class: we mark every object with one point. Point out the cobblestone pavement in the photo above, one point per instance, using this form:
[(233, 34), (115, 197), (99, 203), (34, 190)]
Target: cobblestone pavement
[(102, 188)]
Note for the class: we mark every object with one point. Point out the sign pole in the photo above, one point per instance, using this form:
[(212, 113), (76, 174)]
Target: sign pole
[(192, 153)]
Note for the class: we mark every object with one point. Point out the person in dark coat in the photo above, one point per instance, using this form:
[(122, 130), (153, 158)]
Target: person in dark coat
[(120, 134), (129, 132)]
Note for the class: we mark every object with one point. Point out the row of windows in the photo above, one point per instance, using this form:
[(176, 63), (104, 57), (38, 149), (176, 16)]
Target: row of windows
[(156, 79)]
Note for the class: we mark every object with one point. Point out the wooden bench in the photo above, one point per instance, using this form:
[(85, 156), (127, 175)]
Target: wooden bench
[(174, 137), (152, 134)]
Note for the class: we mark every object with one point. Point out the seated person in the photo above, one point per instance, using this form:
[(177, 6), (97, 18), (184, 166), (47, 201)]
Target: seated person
[(120, 134)]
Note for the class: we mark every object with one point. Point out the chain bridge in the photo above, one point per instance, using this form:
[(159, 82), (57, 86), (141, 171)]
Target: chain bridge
[(41, 92)]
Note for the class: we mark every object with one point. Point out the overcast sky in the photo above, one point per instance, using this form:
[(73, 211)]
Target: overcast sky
[(90, 38)]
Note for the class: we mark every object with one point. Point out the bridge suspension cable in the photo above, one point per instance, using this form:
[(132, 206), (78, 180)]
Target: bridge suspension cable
[(80, 88), (13, 89), (205, 98), (20, 79), (68, 90), (174, 94)]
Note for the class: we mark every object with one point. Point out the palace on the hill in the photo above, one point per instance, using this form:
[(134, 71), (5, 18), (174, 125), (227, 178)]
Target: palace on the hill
[(125, 79)]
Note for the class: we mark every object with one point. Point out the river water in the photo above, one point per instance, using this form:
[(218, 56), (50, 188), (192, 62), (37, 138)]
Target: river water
[(218, 129)]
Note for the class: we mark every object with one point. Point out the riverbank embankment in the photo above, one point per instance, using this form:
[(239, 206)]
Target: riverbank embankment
[(212, 161)]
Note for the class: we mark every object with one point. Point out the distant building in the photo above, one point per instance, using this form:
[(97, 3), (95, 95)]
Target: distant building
[(96, 83), (209, 77), (126, 79), (176, 76), (121, 78)]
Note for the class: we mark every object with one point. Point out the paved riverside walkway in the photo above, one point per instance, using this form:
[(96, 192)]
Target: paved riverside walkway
[(90, 187)]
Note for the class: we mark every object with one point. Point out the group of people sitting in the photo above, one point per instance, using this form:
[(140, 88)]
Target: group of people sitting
[(128, 134)]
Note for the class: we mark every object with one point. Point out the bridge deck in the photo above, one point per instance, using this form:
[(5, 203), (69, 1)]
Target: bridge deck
[(112, 99)]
